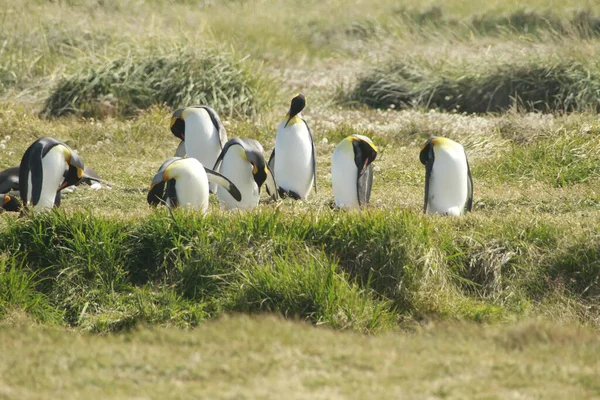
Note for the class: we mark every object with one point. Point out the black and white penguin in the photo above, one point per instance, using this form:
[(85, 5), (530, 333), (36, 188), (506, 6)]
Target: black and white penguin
[(242, 161), (352, 171), (202, 133), (448, 181), (293, 161), (186, 181), (10, 203), (47, 167)]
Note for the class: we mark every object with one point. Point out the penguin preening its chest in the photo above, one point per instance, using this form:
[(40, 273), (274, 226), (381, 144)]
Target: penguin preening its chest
[(293, 161), (242, 161), (448, 181), (202, 133), (186, 181), (352, 171), (47, 167)]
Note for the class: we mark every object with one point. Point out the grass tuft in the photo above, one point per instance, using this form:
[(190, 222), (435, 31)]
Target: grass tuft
[(122, 86), (531, 85)]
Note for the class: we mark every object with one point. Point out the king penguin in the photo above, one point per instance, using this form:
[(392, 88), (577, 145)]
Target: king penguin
[(47, 167), (10, 203), (352, 171), (202, 133), (448, 181), (242, 161), (186, 182), (293, 160)]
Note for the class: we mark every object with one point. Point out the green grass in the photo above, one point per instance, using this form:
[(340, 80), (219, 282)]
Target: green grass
[(269, 358), (127, 85), (528, 85)]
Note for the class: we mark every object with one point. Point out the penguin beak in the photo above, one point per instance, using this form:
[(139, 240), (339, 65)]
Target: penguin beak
[(6, 200)]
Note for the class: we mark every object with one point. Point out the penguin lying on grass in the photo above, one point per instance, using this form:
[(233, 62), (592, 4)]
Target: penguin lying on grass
[(448, 181), (47, 167)]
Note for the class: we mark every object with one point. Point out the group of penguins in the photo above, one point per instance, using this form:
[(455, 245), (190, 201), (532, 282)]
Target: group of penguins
[(239, 168)]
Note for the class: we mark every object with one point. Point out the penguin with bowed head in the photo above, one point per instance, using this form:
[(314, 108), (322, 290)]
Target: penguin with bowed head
[(293, 161), (242, 161), (186, 181), (201, 132), (448, 181), (352, 171), (47, 167)]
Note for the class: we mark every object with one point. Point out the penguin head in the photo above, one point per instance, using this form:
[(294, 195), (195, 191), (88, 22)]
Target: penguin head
[(76, 169), (297, 105), (364, 149), (178, 123), (259, 166), (436, 143), (10, 203)]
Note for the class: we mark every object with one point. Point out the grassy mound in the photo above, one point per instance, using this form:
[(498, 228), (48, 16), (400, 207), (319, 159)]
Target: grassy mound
[(138, 81), (364, 272), (478, 88)]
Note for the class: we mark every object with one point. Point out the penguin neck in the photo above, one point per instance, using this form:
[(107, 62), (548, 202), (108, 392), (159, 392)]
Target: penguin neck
[(294, 120)]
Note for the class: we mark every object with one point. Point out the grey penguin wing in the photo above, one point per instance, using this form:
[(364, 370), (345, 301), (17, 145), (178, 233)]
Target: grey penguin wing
[(314, 156), (469, 203), (216, 120), (428, 171), (364, 184), (271, 163), (222, 181)]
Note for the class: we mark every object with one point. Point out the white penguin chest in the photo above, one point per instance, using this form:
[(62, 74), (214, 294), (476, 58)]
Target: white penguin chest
[(192, 190), (202, 140), (238, 171), (448, 187), (294, 158), (344, 175)]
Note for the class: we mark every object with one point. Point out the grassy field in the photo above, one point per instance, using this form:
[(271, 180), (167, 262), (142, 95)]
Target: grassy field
[(517, 281)]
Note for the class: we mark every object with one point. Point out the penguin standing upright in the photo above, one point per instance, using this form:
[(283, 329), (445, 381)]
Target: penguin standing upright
[(186, 182), (242, 161), (352, 171), (293, 160), (47, 167), (448, 181), (202, 133)]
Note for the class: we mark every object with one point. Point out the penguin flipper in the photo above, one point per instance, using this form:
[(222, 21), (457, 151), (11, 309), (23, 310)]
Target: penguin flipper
[(222, 181), (271, 184), (364, 184), (314, 156), (428, 170), (216, 120), (271, 163), (180, 152), (469, 203), (57, 199)]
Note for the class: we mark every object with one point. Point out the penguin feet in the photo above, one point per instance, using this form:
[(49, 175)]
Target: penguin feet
[(288, 193)]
